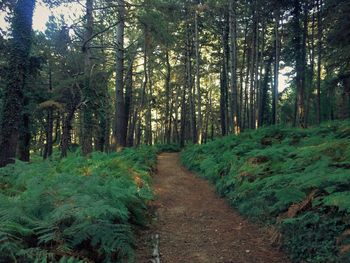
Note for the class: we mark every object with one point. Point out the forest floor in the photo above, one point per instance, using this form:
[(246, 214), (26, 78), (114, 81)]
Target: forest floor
[(196, 226)]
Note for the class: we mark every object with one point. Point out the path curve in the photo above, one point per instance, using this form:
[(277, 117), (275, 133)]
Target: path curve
[(196, 226)]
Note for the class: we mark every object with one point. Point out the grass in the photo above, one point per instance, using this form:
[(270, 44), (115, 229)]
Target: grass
[(297, 180)]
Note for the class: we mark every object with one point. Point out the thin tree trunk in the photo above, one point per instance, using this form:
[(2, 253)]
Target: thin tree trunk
[(190, 87), (175, 129), (261, 98), (310, 77), (49, 132), (131, 130), (233, 56), (66, 132), (167, 123), (252, 79), (246, 123), (120, 130), (256, 70), (198, 86), (299, 65), (241, 93), (319, 59), (302, 106), (49, 124), (87, 130), (264, 93), (183, 117), (276, 70), (224, 84), (129, 91), (148, 131)]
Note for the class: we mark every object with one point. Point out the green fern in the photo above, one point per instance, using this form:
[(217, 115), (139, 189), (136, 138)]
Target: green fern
[(51, 211), (264, 172)]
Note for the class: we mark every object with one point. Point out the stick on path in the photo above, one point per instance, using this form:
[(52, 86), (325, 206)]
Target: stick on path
[(196, 226)]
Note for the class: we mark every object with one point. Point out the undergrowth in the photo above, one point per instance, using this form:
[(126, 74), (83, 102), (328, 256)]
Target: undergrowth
[(297, 180), (172, 147), (75, 209)]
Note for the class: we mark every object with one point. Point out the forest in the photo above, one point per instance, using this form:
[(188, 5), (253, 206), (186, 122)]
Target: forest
[(254, 95)]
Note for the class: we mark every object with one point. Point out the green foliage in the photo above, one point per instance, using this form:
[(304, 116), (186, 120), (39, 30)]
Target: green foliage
[(267, 173), (76, 209), (172, 147), (318, 241)]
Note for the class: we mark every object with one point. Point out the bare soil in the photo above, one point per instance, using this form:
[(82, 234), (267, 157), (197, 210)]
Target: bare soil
[(196, 226)]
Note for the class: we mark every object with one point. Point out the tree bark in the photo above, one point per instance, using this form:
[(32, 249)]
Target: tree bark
[(299, 65), (87, 91), (264, 94), (319, 59), (148, 119), (310, 75), (18, 67), (120, 129), (49, 122), (24, 138), (189, 85), (233, 57), (129, 91), (198, 85), (276, 70), (302, 106), (167, 122)]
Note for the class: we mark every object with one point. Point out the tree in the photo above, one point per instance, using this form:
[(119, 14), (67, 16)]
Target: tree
[(120, 130), (88, 90), (18, 69)]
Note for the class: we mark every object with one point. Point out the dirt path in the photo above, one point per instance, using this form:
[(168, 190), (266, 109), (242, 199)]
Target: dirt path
[(196, 226)]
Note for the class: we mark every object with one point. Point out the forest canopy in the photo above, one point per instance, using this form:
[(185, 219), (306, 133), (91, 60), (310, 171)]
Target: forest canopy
[(126, 73)]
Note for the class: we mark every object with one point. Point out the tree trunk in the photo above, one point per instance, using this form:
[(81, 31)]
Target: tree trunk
[(49, 133), (129, 94), (24, 138), (252, 79), (261, 98), (49, 123), (302, 106), (143, 92), (256, 70), (241, 92), (246, 123), (319, 59), (264, 94), (224, 82), (167, 126), (189, 86), (18, 68), (310, 76), (120, 129), (233, 57), (299, 65), (148, 131), (276, 70), (223, 99), (131, 130), (198, 86), (66, 130), (87, 130)]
